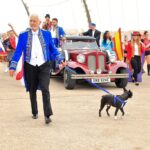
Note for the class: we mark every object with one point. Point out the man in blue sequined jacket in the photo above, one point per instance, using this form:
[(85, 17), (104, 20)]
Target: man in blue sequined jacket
[(37, 48)]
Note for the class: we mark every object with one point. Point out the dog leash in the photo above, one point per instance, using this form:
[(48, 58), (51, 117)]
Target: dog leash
[(116, 98)]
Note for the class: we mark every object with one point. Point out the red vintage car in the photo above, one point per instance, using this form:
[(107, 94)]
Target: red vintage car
[(85, 60)]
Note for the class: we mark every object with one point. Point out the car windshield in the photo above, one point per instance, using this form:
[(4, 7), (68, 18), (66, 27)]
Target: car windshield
[(81, 45)]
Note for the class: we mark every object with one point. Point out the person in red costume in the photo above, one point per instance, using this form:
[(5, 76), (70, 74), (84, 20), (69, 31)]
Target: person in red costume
[(135, 48)]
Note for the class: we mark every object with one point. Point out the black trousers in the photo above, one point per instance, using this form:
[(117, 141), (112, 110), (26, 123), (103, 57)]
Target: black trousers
[(136, 65), (39, 76)]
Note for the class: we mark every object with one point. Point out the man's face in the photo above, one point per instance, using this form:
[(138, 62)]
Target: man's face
[(92, 27), (34, 23), (54, 23)]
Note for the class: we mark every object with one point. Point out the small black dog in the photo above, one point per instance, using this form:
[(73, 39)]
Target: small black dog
[(118, 101)]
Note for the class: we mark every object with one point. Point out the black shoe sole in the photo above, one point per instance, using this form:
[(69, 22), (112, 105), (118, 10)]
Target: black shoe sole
[(48, 120), (35, 117)]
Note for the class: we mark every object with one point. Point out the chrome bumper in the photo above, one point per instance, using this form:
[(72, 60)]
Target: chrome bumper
[(97, 76)]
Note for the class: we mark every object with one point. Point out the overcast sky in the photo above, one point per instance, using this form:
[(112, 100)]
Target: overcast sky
[(107, 14)]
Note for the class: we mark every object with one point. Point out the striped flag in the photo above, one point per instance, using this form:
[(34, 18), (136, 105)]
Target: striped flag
[(118, 45), (20, 71)]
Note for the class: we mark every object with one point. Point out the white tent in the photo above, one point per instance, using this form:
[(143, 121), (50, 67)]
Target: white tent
[(107, 14)]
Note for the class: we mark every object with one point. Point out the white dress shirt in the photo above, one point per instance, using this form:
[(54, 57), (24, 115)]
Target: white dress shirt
[(53, 32), (37, 56), (93, 33), (136, 47)]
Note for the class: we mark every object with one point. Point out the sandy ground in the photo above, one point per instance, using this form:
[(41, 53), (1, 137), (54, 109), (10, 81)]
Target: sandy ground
[(76, 125)]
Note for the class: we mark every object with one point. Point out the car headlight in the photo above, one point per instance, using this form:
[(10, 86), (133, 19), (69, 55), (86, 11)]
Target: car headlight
[(81, 58)]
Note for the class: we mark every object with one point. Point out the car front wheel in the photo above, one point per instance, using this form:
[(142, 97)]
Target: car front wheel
[(122, 83), (68, 82)]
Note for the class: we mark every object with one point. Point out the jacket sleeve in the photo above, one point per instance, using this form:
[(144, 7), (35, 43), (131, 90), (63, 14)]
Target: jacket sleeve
[(53, 50), (86, 33), (98, 34), (129, 51), (62, 32), (17, 54), (13, 43)]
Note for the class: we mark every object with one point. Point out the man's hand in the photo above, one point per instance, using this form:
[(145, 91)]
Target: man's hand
[(63, 39), (11, 73), (8, 49)]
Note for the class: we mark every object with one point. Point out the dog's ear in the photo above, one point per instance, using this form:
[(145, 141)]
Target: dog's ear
[(124, 89), (130, 91)]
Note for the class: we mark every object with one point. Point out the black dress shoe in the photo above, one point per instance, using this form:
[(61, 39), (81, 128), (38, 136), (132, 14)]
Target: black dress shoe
[(35, 116), (48, 120), (136, 83)]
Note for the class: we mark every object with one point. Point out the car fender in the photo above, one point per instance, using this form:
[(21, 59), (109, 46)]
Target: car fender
[(115, 66), (75, 65)]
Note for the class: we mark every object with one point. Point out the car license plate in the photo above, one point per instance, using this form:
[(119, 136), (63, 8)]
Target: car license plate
[(100, 80)]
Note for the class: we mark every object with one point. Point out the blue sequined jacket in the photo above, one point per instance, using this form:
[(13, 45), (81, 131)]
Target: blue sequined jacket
[(24, 47)]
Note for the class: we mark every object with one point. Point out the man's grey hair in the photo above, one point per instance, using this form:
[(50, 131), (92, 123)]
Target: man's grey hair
[(35, 15)]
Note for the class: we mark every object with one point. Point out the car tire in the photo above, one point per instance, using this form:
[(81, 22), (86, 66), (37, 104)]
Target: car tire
[(121, 83), (68, 82)]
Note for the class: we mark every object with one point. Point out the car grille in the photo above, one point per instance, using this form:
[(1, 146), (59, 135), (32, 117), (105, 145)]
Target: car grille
[(92, 63), (101, 61)]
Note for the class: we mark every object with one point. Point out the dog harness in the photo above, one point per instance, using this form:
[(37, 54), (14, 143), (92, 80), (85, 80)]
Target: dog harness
[(118, 99)]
